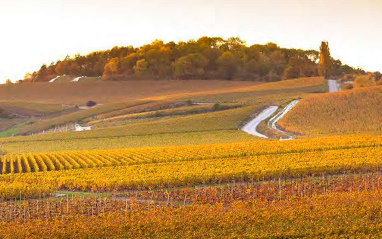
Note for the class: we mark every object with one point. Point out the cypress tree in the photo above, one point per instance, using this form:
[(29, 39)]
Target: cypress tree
[(325, 64)]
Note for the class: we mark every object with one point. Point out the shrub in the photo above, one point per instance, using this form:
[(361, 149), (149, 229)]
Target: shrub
[(347, 77), (364, 81), (90, 103), (216, 107), (347, 86)]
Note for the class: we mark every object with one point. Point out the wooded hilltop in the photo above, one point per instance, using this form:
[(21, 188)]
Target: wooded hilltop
[(206, 58)]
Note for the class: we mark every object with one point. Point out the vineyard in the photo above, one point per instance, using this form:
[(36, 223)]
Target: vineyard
[(350, 207), (115, 182), (333, 114), (186, 137), (320, 187), (42, 162)]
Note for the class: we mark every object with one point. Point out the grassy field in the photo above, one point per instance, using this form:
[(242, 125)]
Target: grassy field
[(73, 117), (108, 92), (181, 110), (250, 95), (221, 120), (30, 108), (348, 112)]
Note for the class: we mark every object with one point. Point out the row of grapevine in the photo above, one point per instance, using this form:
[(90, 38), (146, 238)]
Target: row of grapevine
[(345, 112), (270, 190), (195, 172), (36, 162), (333, 215)]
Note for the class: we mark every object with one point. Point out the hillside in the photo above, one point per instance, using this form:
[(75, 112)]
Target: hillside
[(347, 112), (158, 118), (105, 92), (173, 155), (31, 108)]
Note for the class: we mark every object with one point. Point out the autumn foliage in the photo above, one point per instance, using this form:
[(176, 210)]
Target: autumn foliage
[(312, 188), (205, 58)]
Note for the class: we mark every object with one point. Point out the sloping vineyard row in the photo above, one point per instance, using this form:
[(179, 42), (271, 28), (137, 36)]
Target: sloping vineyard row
[(333, 215), (41, 162), (188, 173)]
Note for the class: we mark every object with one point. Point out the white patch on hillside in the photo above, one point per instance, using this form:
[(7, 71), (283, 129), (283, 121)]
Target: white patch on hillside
[(55, 78), (77, 78)]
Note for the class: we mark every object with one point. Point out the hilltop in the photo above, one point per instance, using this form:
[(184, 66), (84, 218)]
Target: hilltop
[(207, 58)]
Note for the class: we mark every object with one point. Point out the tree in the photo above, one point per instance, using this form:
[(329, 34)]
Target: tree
[(62, 67), (127, 64), (235, 43), (190, 66), (206, 58), (8, 82), (111, 68), (228, 65), (158, 59), (299, 67), (277, 61), (140, 67), (325, 63), (211, 55), (28, 77), (42, 74), (259, 67)]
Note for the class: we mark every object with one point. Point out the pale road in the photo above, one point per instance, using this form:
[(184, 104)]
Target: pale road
[(272, 123), (251, 127), (333, 86)]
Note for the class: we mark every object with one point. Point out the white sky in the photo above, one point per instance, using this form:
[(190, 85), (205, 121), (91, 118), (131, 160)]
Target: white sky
[(33, 32)]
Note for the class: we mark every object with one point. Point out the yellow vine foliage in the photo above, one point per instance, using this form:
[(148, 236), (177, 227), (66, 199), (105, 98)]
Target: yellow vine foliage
[(123, 174), (336, 215), (348, 112), (37, 162)]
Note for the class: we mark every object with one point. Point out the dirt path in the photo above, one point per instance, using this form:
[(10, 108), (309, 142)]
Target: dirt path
[(251, 127), (272, 123), (333, 86)]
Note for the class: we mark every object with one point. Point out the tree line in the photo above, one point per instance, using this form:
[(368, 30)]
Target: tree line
[(205, 58)]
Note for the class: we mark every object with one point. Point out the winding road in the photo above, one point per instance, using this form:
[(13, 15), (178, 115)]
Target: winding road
[(333, 86), (272, 123), (251, 127)]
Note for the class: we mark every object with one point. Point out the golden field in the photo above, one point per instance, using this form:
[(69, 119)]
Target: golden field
[(347, 112), (162, 166)]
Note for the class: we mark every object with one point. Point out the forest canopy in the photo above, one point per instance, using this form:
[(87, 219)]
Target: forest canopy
[(205, 58)]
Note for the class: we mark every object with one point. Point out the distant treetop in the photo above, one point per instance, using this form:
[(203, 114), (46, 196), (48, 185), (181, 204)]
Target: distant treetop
[(206, 58)]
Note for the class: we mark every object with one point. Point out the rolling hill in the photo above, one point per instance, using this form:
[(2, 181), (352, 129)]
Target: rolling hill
[(348, 112), (161, 112), (109, 91)]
